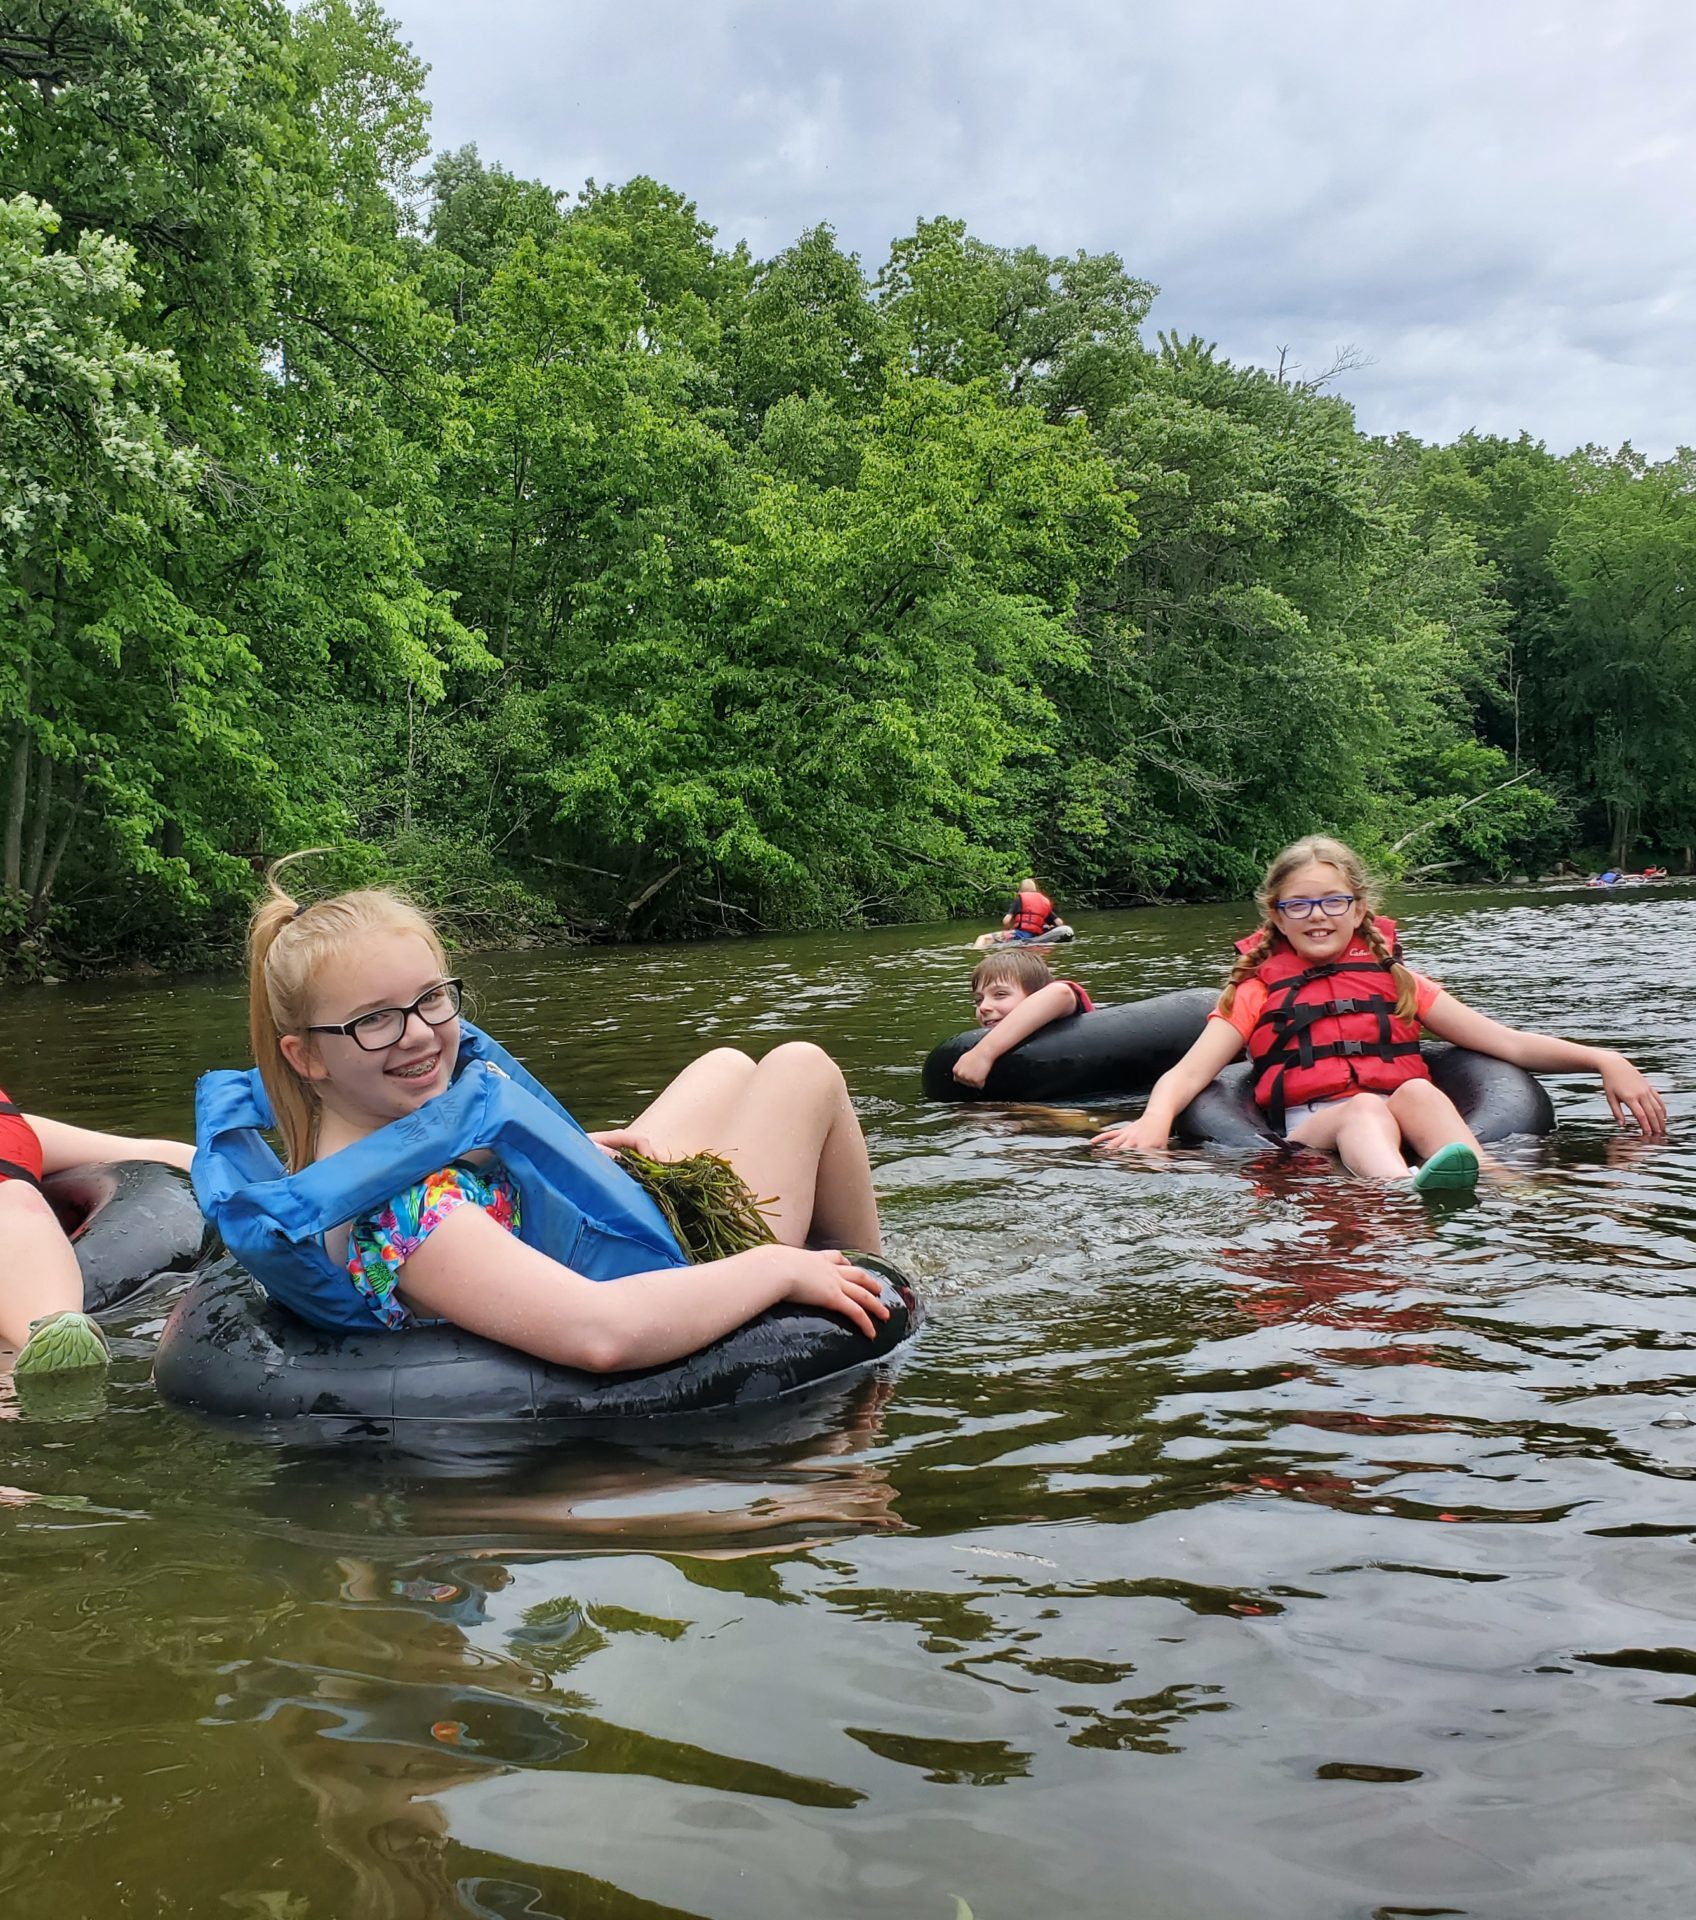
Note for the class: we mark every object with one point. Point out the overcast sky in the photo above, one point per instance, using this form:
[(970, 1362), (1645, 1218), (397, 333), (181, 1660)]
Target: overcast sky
[(1491, 199)]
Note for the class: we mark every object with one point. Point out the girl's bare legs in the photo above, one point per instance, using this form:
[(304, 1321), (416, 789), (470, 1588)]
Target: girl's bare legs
[(41, 1271), (1362, 1131), (1367, 1130), (1429, 1119), (696, 1105), (789, 1129)]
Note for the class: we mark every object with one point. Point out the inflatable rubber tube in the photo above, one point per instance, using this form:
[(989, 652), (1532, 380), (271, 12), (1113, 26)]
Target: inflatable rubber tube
[(1496, 1100), (128, 1221), (1058, 932), (1120, 1050), (227, 1350), (1113, 1050)]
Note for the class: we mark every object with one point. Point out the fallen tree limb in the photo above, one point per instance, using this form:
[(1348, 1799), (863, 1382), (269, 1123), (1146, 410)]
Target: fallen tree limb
[(1452, 812)]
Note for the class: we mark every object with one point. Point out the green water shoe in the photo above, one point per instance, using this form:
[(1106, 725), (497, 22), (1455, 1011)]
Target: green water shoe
[(1451, 1169), (68, 1342)]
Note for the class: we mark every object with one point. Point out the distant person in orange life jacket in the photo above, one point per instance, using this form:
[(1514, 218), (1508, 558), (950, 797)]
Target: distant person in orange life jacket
[(1030, 915), (1015, 995)]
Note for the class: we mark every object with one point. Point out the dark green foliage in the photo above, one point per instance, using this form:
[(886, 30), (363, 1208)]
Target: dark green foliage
[(592, 576)]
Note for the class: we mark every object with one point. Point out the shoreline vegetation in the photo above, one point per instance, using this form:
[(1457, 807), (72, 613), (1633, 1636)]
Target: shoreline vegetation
[(561, 939), (605, 582)]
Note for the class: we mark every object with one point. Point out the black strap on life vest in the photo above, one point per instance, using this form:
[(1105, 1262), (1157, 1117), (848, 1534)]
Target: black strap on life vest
[(1292, 1025)]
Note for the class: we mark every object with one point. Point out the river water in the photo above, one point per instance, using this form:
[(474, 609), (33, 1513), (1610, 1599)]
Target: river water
[(1236, 1540)]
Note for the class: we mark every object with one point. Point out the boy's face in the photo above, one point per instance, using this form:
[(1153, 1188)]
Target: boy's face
[(995, 1001)]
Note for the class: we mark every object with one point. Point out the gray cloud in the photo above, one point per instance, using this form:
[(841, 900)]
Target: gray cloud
[(1490, 201)]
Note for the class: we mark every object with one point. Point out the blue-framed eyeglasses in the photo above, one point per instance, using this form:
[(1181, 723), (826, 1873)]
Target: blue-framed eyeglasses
[(383, 1026), (1332, 905)]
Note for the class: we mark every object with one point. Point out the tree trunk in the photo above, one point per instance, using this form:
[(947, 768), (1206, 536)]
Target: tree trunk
[(635, 906), (39, 813), (44, 891), (411, 758), (17, 799), (520, 481)]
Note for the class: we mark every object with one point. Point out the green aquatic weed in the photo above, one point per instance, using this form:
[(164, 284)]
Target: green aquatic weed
[(706, 1203)]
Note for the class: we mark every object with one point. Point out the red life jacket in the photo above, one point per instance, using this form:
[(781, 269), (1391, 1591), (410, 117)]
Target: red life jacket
[(1033, 913), (20, 1150), (1330, 1028)]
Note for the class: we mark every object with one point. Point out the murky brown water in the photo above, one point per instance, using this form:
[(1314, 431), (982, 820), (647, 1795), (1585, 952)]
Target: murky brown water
[(1237, 1541)]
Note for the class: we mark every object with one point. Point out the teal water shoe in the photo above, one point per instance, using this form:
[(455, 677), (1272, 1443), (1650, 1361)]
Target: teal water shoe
[(68, 1342), (1451, 1169)]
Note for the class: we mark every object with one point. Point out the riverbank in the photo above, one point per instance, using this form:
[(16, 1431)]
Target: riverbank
[(475, 929)]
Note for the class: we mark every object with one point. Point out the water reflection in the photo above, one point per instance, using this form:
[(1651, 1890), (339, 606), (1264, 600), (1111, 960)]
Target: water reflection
[(1236, 1540)]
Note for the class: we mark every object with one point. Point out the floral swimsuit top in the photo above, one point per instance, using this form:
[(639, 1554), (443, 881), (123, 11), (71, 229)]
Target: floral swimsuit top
[(379, 1243)]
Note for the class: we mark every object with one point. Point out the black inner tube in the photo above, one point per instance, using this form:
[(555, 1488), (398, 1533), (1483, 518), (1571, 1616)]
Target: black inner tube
[(1496, 1099), (1113, 1050), (230, 1352), (128, 1222), (1124, 1050)]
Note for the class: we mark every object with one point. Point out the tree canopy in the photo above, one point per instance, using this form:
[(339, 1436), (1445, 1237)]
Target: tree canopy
[(526, 540)]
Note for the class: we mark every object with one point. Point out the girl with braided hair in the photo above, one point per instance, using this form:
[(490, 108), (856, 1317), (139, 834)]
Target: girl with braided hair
[(1332, 1020)]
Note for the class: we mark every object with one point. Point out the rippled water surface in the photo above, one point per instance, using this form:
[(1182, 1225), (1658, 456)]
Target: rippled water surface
[(1237, 1540)]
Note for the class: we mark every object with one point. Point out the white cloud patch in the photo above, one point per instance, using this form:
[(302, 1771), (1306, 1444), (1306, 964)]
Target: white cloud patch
[(1490, 201)]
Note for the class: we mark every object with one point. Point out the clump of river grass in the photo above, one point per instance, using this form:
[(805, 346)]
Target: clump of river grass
[(706, 1203)]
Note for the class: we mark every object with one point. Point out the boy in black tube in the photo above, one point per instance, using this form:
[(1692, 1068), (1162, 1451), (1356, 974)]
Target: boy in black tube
[(1015, 996)]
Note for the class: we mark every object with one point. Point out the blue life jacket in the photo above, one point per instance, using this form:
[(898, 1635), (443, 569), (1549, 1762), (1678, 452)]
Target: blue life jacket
[(575, 1204)]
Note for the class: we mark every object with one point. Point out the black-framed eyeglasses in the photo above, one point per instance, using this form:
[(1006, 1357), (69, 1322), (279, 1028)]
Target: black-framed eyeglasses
[(383, 1026), (1332, 905)]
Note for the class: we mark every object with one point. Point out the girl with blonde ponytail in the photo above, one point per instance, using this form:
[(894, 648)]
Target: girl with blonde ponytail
[(1332, 1018), (355, 1024)]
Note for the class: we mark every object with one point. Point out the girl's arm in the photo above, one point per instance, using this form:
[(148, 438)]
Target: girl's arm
[(1627, 1090), (65, 1146), (1035, 1011), (473, 1272), (1218, 1046)]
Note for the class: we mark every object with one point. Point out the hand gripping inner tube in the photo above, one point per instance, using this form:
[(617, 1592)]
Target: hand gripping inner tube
[(228, 1351), (1113, 1050), (127, 1220)]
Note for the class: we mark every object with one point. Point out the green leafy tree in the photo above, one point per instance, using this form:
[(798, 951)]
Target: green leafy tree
[(109, 683), (1060, 333), (1622, 667), (246, 160), (810, 330)]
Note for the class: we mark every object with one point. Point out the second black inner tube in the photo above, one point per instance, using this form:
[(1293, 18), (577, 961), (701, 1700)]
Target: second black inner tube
[(127, 1220), (1124, 1050)]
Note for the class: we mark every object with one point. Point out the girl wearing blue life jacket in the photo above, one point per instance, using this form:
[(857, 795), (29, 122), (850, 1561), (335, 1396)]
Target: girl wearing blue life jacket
[(430, 1178)]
